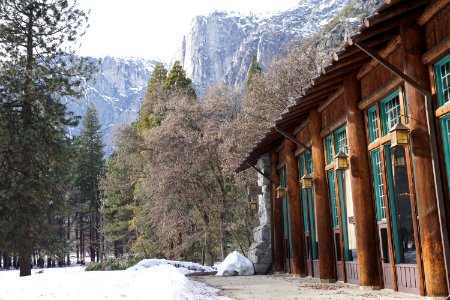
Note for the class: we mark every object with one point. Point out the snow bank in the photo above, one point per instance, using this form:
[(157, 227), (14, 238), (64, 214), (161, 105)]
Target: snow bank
[(183, 267), (162, 282), (235, 264)]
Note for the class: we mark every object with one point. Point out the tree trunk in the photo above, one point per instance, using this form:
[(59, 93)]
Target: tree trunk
[(25, 262)]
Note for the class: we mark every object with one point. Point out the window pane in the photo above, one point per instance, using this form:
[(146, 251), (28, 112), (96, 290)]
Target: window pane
[(340, 140), (378, 184), (332, 190), (373, 123), (391, 115), (445, 81), (329, 149), (404, 235)]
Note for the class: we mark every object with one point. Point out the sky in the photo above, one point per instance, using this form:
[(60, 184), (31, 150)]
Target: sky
[(154, 29)]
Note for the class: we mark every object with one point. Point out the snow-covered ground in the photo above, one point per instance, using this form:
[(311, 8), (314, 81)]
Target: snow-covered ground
[(147, 280)]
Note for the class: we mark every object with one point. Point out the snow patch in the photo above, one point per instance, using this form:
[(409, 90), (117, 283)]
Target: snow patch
[(235, 264), (183, 266)]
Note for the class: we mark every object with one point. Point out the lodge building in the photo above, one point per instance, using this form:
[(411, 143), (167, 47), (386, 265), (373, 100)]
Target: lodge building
[(360, 164)]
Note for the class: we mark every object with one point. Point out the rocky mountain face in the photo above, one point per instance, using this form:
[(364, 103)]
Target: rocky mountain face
[(219, 47), (117, 92)]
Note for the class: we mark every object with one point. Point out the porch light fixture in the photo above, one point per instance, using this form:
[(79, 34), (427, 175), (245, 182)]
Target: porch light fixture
[(306, 182), (399, 135), (340, 161), (281, 192), (253, 205)]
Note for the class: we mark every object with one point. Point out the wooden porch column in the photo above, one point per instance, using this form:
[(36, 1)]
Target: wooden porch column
[(362, 193), (277, 216), (297, 232), (324, 227), (430, 232)]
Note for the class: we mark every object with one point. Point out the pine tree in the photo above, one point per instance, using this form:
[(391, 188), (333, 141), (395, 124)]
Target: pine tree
[(37, 68), (118, 207), (254, 69), (148, 118), (178, 81), (159, 76), (89, 169)]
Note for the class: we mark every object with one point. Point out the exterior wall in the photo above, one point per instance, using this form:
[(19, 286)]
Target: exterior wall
[(394, 271), (260, 252)]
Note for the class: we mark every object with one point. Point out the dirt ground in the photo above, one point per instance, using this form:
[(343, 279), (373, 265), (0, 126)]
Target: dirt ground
[(289, 287)]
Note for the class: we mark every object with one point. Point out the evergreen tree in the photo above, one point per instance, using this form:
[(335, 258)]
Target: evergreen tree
[(89, 169), (254, 69), (118, 205), (159, 76), (178, 81), (148, 118), (37, 68)]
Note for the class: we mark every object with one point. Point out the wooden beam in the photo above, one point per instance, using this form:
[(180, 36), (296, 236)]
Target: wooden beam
[(393, 68), (335, 125), (353, 51), (331, 99), (422, 157), (292, 138), (324, 227), (277, 216), (295, 212), (259, 171), (380, 93), (390, 48), (431, 10), (382, 29), (300, 128), (396, 11), (438, 51), (361, 191)]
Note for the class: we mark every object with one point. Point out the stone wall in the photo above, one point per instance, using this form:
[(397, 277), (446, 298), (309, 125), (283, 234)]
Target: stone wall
[(260, 252)]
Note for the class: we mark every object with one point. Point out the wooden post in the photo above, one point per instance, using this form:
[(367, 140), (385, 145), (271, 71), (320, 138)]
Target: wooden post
[(277, 216), (362, 194), (430, 232), (297, 232), (324, 227)]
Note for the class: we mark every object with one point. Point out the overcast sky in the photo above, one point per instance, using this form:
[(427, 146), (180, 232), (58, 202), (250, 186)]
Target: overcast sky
[(154, 29)]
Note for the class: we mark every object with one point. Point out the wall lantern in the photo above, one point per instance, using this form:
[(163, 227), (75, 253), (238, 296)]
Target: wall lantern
[(340, 161), (399, 135), (281, 192), (306, 181), (253, 205)]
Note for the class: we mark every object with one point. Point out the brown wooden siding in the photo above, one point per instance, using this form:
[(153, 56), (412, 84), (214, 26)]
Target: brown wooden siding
[(438, 28), (380, 76), (333, 112)]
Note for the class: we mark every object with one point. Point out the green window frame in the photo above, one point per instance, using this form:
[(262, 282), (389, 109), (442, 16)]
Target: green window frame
[(286, 214), (372, 118), (391, 189), (340, 140), (301, 167), (340, 176), (334, 206), (442, 71), (378, 184), (309, 163), (390, 111), (329, 150), (305, 164), (445, 130)]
